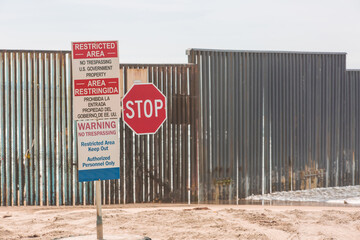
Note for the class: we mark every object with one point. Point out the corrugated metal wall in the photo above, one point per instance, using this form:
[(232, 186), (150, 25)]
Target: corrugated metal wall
[(38, 150), (271, 121), (350, 129), (239, 123)]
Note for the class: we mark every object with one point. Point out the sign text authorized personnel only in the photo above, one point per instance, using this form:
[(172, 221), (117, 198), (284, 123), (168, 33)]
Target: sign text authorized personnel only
[(98, 148)]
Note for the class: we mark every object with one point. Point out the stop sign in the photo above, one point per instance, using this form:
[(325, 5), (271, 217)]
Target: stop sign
[(144, 108)]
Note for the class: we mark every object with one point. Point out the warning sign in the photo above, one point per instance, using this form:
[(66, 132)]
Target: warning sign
[(98, 147), (95, 70)]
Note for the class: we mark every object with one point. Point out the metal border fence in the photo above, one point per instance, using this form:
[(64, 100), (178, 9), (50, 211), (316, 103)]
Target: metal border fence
[(270, 121), (350, 129), (38, 145), (239, 123)]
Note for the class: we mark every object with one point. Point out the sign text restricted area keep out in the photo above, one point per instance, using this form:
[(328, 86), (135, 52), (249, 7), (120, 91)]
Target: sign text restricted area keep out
[(98, 148), (96, 80)]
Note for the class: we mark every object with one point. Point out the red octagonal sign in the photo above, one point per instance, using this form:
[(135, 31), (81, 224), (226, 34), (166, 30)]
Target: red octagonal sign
[(144, 108)]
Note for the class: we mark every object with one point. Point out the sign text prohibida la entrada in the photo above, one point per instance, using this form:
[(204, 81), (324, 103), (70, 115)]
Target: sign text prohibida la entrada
[(95, 71)]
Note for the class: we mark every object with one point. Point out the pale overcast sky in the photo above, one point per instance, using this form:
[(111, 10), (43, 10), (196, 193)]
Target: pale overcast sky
[(160, 31)]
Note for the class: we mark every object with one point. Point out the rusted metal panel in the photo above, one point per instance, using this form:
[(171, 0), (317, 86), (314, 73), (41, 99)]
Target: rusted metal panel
[(273, 121), (350, 129)]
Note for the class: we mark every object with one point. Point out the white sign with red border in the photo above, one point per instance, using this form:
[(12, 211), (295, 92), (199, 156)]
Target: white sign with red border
[(95, 71)]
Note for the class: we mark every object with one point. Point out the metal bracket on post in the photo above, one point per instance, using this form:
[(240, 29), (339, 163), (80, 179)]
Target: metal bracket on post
[(99, 224)]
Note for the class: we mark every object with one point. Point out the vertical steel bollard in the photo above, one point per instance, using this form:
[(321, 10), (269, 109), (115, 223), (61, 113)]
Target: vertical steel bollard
[(99, 225)]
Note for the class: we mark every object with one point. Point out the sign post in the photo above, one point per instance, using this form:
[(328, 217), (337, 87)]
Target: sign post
[(96, 107), (99, 224)]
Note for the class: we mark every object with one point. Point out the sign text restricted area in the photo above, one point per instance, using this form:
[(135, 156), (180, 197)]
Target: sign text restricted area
[(96, 80), (98, 148)]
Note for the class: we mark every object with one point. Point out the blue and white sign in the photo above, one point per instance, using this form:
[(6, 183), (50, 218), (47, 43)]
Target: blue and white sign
[(98, 150)]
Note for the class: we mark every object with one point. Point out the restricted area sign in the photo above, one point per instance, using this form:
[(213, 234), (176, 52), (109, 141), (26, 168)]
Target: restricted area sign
[(98, 147), (144, 108), (95, 70)]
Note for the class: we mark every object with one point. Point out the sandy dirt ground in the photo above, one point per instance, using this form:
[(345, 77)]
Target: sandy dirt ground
[(174, 222)]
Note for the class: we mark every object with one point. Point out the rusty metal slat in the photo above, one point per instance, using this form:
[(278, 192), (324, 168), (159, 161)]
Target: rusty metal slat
[(2, 134), (183, 133), (156, 152), (47, 143), (122, 162), (52, 129), (166, 141), (58, 74)]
